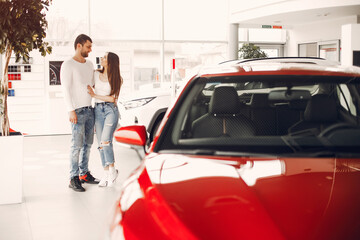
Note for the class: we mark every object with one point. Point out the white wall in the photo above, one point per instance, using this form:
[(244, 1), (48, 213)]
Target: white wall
[(350, 35), (315, 32), (242, 11)]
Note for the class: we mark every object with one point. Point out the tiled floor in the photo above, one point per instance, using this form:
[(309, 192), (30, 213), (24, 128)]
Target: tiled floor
[(50, 210)]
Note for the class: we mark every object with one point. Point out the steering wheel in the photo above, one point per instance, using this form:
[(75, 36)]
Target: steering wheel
[(335, 127)]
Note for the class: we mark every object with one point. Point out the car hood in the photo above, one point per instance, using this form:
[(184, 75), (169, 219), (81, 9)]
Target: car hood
[(146, 93), (261, 198)]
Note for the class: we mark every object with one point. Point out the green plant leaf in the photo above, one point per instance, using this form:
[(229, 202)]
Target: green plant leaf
[(250, 50)]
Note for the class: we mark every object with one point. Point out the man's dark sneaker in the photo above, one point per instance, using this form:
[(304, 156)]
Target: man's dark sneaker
[(88, 178), (75, 184)]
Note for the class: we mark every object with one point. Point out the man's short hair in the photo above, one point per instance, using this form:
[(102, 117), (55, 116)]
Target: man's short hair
[(82, 38)]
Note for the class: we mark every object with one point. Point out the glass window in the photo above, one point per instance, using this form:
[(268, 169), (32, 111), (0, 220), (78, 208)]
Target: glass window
[(308, 50), (329, 50)]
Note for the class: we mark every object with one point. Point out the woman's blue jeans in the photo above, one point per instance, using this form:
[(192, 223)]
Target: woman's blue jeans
[(106, 120), (81, 142)]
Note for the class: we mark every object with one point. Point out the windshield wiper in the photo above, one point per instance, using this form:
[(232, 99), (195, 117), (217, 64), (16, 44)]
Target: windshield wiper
[(189, 151), (244, 154)]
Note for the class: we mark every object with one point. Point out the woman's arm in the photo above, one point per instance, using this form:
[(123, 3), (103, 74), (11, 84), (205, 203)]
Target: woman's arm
[(103, 98)]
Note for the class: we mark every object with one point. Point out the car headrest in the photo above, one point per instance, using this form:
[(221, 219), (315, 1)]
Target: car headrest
[(321, 108), (224, 100)]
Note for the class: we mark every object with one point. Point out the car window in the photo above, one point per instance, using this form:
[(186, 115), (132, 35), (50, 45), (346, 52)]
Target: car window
[(346, 100), (262, 114)]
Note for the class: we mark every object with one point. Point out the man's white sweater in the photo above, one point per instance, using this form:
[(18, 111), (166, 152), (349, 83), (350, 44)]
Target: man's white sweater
[(75, 77)]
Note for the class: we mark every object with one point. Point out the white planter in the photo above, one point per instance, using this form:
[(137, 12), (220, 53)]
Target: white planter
[(11, 169)]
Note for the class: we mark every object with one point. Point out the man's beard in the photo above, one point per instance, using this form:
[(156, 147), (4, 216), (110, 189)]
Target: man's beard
[(84, 54)]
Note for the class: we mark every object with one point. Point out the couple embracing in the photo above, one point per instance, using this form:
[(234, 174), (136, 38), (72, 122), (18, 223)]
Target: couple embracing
[(81, 84)]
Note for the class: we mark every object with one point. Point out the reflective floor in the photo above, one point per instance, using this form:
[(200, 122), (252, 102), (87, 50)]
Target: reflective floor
[(51, 210)]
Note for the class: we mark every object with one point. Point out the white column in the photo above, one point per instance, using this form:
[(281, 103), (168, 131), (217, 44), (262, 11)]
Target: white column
[(350, 41), (89, 18), (162, 48), (233, 41)]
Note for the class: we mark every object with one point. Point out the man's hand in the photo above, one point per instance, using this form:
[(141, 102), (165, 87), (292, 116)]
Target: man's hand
[(91, 91), (73, 117)]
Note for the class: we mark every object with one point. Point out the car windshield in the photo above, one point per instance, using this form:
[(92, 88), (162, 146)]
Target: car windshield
[(312, 114)]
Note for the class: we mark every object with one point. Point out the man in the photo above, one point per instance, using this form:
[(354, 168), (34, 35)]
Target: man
[(76, 74)]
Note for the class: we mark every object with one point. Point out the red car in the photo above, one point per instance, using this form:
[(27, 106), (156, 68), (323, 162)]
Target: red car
[(257, 149)]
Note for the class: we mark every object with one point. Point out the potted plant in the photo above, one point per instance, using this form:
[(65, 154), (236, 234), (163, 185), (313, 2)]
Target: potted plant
[(249, 50), (22, 29)]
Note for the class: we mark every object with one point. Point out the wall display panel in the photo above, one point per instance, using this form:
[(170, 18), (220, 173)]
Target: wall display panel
[(38, 76), (36, 84), (26, 94), (30, 108), (20, 117), (54, 72), (14, 76), (23, 101), (14, 68), (11, 93)]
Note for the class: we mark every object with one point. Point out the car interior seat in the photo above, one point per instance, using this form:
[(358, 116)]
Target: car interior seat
[(223, 118), (320, 112), (262, 114)]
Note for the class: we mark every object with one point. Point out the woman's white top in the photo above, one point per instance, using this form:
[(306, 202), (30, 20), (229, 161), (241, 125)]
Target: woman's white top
[(101, 88)]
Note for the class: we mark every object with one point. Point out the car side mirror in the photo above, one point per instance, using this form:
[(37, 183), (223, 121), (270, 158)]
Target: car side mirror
[(134, 136)]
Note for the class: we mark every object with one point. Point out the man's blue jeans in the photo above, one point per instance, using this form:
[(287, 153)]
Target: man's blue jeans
[(82, 139), (106, 120)]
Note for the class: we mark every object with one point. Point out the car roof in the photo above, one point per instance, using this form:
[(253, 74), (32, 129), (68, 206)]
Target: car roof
[(307, 60), (279, 66)]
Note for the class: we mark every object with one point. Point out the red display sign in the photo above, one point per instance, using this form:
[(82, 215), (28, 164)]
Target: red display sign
[(277, 27), (14, 76)]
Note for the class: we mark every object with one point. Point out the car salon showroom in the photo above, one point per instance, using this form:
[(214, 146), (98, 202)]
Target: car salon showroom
[(107, 107)]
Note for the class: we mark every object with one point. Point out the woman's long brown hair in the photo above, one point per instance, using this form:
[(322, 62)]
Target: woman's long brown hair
[(113, 73)]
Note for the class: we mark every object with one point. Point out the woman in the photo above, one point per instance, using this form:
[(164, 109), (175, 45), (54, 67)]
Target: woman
[(108, 82)]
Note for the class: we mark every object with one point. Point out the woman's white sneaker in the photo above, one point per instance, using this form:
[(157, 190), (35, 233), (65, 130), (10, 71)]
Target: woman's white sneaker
[(105, 179), (113, 173)]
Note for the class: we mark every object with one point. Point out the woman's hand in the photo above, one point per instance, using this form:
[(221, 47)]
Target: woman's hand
[(91, 91)]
